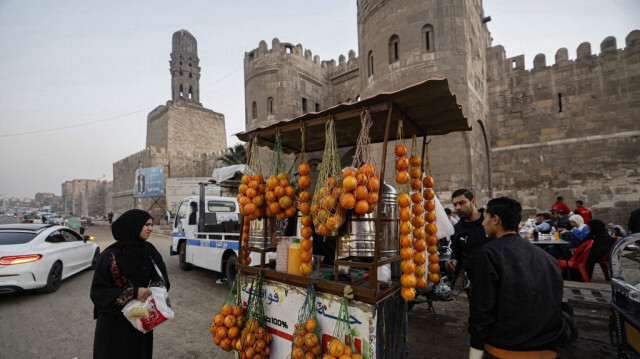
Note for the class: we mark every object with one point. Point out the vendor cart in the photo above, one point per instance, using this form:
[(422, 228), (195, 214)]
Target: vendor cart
[(625, 295), (378, 312)]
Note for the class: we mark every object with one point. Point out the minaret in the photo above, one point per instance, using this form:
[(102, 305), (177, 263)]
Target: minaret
[(185, 72)]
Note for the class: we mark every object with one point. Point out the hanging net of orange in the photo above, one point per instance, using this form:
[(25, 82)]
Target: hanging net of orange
[(304, 204), (361, 182), (430, 219), (327, 214), (279, 195)]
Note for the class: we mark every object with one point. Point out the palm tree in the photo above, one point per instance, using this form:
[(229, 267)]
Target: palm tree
[(237, 155)]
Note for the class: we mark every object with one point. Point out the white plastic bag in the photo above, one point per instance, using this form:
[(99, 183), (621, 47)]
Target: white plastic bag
[(445, 228), (159, 310), (384, 273)]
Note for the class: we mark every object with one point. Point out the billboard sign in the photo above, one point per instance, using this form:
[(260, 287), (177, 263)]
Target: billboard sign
[(149, 182)]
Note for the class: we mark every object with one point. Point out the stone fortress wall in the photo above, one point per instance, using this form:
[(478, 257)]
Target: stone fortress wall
[(570, 128), (520, 145)]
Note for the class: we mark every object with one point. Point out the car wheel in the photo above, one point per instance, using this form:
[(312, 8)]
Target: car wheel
[(230, 270), (53, 279), (182, 250), (94, 261)]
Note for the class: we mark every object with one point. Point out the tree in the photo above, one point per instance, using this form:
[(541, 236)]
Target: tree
[(237, 155)]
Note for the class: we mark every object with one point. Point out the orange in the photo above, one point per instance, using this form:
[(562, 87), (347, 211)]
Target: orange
[(298, 341), (408, 267), (434, 277), (304, 196), (348, 200), (428, 182), (400, 150), (362, 178), (408, 294), (434, 268), (349, 183), (270, 196), (418, 233), (227, 309), (322, 230), (253, 184), (258, 200), (329, 203), (310, 339), (243, 188), (285, 202), (416, 197), (417, 221), (257, 177), (405, 227), (420, 245), (417, 209), (251, 192), (304, 169), (430, 206), (279, 191), (408, 280), (404, 200), (415, 161), (432, 240), (432, 249), (305, 208), (332, 223), (373, 184), (272, 182), (372, 198), (304, 182), (233, 332), (416, 185), (310, 325), (305, 221), (430, 217), (368, 169), (238, 311), (221, 332), (347, 350), (361, 192), (218, 320), (348, 172), (230, 321), (305, 269), (335, 348), (402, 163), (429, 193), (289, 191), (431, 228), (290, 212), (274, 207), (362, 207), (356, 356), (405, 240), (306, 244), (419, 258), (246, 178), (406, 252), (282, 175), (297, 353), (331, 182), (216, 340), (433, 258), (405, 214), (305, 256), (402, 177), (421, 283), (416, 173), (420, 271), (212, 328)]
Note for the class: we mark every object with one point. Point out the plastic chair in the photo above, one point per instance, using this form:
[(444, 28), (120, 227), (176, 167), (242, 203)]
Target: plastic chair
[(579, 260), (604, 262)]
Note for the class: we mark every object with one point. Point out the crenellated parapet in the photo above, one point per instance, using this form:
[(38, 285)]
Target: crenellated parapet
[(608, 47)]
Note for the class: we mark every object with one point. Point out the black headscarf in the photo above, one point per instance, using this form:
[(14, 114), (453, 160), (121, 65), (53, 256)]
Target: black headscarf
[(597, 228), (128, 226)]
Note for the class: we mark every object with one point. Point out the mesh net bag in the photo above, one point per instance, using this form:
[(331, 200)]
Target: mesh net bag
[(430, 218), (361, 182), (227, 324), (280, 194), (251, 197), (304, 204), (418, 220), (306, 335), (255, 339), (327, 214), (343, 339)]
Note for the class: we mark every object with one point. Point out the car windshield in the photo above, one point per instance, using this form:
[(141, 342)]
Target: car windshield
[(7, 238)]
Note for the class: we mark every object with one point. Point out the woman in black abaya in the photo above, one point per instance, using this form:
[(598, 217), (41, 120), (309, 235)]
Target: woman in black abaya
[(123, 273)]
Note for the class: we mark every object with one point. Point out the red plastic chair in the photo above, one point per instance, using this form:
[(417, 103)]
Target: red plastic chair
[(604, 262), (579, 260)]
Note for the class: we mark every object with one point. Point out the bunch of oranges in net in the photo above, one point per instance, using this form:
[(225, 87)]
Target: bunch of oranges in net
[(306, 343), (226, 327), (280, 197), (418, 221), (254, 341), (360, 188), (306, 244), (251, 197), (337, 349), (408, 278), (244, 241), (431, 229), (326, 211)]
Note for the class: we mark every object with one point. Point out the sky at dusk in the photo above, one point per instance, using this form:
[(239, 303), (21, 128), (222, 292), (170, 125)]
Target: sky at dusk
[(79, 77)]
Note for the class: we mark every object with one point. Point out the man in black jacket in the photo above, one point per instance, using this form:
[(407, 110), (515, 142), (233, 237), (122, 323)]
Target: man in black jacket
[(516, 302), (634, 221), (469, 234)]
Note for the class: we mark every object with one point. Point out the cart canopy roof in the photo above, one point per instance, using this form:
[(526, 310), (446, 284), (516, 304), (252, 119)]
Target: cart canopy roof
[(427, 108)]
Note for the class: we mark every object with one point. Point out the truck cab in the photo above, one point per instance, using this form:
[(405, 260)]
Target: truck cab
[(206, 233)]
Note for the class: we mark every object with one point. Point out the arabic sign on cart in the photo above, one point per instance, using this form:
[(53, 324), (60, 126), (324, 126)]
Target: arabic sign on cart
[(281, 305)]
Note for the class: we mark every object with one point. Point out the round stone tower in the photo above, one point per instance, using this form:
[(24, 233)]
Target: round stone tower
[(185, 72), (402, 42)]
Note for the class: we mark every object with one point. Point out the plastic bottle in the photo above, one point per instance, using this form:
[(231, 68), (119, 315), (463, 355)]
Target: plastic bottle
[(282, 255), (293, 266)]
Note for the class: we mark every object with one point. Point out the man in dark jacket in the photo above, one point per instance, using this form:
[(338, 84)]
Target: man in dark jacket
[(634, 221), (469, 234), (516, 302)]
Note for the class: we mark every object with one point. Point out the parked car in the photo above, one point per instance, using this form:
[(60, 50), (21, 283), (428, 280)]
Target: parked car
[(54, 220), (40, 256)]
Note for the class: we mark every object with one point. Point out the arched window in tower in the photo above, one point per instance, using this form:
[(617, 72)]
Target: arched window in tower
[(394, 43), (254, 110), (181, 91), (428, 38), (370, 63), (190, 93), (270, 106)]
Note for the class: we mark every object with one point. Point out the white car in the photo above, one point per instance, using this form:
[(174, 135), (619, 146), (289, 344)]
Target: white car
[(40, 256)]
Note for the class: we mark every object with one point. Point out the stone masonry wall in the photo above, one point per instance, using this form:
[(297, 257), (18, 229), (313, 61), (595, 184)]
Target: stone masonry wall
[(194, 129), (568, 129)]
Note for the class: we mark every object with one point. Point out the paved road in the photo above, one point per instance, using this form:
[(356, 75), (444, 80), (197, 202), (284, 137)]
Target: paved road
[(61, 325)]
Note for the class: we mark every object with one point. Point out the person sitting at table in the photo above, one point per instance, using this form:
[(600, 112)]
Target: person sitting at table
[(562, 221), (578, 233), (543, 223), (602, 243)]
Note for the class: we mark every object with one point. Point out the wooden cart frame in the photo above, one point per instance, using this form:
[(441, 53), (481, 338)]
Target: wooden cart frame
[(427, 108)]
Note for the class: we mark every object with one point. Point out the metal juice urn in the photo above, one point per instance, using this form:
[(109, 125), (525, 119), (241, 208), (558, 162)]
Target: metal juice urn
[(358, 238)]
